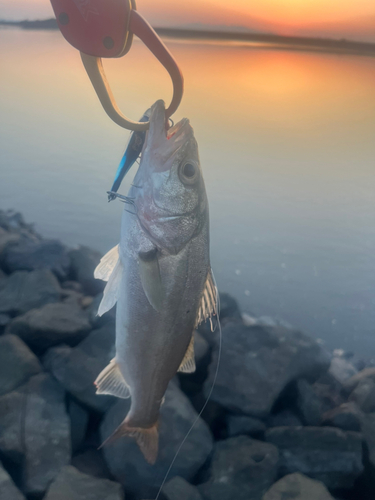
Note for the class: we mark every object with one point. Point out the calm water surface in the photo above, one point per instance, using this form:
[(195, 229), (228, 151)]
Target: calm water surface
[(287, 148)]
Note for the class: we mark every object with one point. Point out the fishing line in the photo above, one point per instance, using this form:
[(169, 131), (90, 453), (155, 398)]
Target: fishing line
[(208, 397)]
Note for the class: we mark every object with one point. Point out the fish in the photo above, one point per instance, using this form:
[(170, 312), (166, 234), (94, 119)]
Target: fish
[(132, 152), (160, 276)]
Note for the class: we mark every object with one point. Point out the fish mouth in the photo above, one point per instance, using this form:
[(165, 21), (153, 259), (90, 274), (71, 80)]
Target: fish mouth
[(158, 134)]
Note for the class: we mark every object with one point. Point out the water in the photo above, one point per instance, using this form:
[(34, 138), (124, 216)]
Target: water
[(287, 147)]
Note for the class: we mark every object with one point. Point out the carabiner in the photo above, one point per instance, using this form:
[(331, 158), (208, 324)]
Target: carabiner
[(105, 29)]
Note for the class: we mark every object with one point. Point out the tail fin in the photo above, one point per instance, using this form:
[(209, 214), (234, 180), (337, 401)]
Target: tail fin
[(147, 439)]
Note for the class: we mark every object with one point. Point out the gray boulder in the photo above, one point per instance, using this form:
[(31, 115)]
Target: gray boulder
[(297, 487), (46, 434), (309, 405), (347, 417), (368, 431), (91, 462), (77, 368), (5, 319), (17, 363), (29, 255), (323, 453), (257, 363), (79, 418), (8, 490), (351, 384), (126, 462), (284, 418), (238, 425), (83, 263), (341, 369), (364, 395), (179, 489), (12, 412), (71, 484), (241, 468), (51, 325), (24, 290)]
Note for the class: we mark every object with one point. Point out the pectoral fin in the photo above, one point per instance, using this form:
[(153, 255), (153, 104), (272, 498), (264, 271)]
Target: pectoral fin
[(149, 271), (107, 264), (209, 300), (111, 290), (110, 381), (188, 363)]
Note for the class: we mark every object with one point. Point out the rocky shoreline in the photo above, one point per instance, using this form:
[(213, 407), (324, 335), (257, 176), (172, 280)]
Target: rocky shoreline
[(286, 418)]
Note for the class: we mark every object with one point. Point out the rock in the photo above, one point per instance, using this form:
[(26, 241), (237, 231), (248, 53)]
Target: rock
[(24, 290), (238, 425), (364, 395), (126, 462), (309, 405), (341, 369), (91, 462), (241, 468), (297, 487), (17, 363), (51, 325), (73, 286), (284, 418), (71, 484), (323, 453), (347, 417), (79, 418), (368, 431), (4, 320), (14, 221), (8, 490), (46, 434), (352, 383), (179, 489), (83, 263), (7, 238), (12, 411), (76, 369), (71, 298), (201, 350), (257, 363), (229, 309), (28, 255)]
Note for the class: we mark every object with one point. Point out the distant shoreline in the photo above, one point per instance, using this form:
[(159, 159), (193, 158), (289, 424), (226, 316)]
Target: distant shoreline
[(288, 42)]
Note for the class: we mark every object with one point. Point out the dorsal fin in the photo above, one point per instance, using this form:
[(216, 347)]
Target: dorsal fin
[(188, 363), (209, 301), (107, 264), (111, 290)]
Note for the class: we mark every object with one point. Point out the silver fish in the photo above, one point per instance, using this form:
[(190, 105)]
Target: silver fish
[(160, 277)]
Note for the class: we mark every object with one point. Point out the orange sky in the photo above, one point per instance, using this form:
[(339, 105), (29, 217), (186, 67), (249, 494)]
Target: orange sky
[(353, 18)]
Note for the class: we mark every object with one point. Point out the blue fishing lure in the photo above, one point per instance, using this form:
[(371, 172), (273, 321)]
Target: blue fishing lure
[(132, 152)]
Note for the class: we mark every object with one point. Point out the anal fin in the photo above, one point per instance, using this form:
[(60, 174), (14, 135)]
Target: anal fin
[(188, 363), (110, 381), (147, 439)]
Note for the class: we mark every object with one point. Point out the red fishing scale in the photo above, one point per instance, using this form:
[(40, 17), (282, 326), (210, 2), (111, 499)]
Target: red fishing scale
[(105, 28)]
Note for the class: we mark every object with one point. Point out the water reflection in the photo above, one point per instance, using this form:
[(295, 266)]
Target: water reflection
[(286, 143)]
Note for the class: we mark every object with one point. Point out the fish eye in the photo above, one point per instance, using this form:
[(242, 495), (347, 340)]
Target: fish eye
[(189, 172)]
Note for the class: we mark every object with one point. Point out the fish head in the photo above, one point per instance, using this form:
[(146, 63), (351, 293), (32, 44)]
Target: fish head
[(171, 201)]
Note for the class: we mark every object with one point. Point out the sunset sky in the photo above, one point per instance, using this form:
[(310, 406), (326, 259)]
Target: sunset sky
[(351, 18)]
